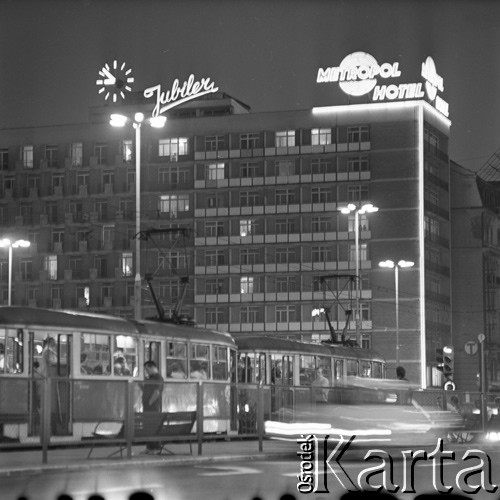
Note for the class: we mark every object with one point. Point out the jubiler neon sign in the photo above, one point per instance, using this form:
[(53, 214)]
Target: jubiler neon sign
[(179, 94)]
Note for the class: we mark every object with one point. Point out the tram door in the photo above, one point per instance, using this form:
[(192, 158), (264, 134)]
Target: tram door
[(50, 358), (282, 384)]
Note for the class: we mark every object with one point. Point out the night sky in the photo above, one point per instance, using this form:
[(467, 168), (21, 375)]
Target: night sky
[(264, 52)]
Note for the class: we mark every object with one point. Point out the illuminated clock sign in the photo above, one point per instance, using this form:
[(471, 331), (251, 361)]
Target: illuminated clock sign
[(179, 94), (360, 73)]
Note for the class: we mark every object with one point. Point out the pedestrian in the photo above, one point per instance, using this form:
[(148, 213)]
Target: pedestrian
[(48, 360), (152, 390), (401, 373), (321, 387)]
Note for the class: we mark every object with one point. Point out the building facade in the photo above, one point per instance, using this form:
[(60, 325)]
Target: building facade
[(267, 250), (476, 273)]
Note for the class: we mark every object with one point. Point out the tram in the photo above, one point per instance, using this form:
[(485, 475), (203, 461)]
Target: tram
[(93, 364), (333, 389), (96, 368)]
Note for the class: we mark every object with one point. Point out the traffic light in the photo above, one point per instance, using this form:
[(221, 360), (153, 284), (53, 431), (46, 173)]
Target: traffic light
[(445, 361)]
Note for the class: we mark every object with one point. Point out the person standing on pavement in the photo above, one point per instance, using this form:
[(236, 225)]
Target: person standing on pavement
[(152, 390)]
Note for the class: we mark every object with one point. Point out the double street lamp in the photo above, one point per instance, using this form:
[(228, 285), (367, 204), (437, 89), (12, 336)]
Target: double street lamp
[(397, 266), (5, 242), (118, 120), (357, 211)]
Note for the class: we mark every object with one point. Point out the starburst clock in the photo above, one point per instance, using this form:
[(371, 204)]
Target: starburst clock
[(115, 80)]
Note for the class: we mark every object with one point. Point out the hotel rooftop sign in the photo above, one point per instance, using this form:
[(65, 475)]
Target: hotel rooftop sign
[(359, 74)]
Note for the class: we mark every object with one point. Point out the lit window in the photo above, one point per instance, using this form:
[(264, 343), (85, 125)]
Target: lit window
[(246, 284), (173, 148), (216, 171), (126, 265), (50, 265), (247, 227), (127, 151), (285, 138), (320, 136), (76, 154), (173, 203), (27, 156)]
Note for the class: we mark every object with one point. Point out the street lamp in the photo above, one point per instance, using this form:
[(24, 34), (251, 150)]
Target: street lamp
[(396, 266), (5, 242), (363, 209), (118, 120)]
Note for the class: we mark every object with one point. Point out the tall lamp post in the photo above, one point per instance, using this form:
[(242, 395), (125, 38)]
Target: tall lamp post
[(10, 245), (118, 120), (357, 211), (396, 266)]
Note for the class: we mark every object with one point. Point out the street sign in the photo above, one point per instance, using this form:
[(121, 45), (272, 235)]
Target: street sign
[(481, 337), (471, 347)]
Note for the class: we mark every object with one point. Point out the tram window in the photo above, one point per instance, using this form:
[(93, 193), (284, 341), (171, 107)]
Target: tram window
[(125, 356), (11, 351), (199, 362), (307, 369), (152, 352), (276, 369), (366, 369), (325, 364), (260, 369), (176, 360), (232, 356), (246, 368), (63, 354), (352, 367), (219, 363), (288, 370), (95, 354), (377, 370), (339, 369)]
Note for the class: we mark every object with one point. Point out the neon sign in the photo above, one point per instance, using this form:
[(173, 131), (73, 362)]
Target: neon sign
[(433, 83), (359, 74), (179, 94), (356, 73)]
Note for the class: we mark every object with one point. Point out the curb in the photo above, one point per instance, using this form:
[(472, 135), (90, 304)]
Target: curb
[(90, 464)]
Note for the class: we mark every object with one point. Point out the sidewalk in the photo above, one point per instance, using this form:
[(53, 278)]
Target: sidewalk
[(71, 459), (75, 458)]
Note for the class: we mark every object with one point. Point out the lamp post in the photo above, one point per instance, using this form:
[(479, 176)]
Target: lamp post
[(10, 245), (118, 120), (396, 266), (363, 209)]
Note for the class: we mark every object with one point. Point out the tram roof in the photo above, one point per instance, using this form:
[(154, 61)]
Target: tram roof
[(267, 343), (193, 333), (30, 317)]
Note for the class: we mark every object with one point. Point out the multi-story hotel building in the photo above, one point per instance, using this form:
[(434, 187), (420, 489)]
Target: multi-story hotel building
[(268, 250)]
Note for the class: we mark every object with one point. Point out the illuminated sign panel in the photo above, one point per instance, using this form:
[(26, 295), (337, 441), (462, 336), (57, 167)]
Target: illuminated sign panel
[(179, 94), (359, 74)]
